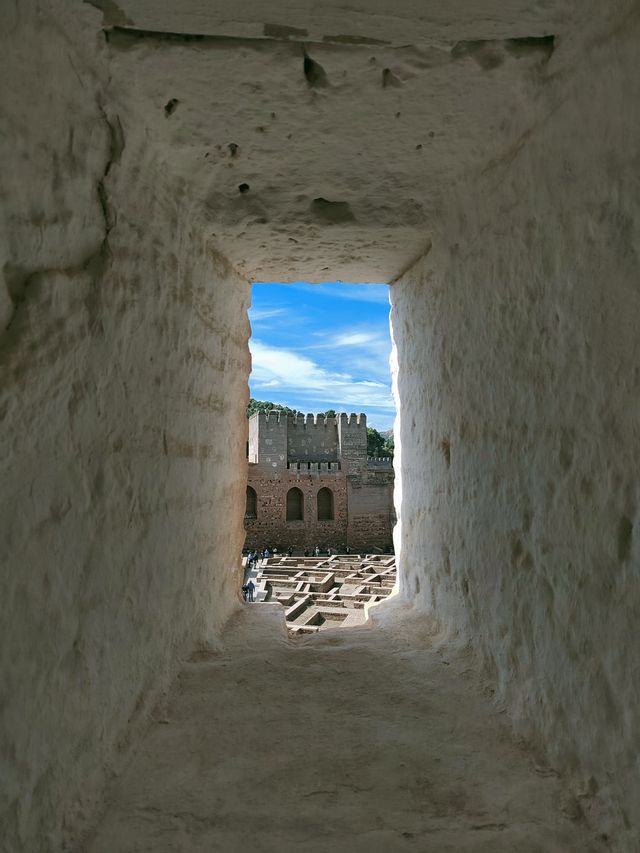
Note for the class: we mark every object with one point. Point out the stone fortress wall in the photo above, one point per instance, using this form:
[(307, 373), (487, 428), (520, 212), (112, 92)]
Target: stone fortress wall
[(313, 438), (311, 453)]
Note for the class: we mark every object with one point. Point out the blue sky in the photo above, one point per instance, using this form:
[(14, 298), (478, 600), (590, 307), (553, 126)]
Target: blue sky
[(323, 346)]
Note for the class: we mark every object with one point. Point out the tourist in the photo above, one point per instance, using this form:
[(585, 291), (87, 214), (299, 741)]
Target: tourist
[(245, 591), (250, 588), (317, 551), (289, 551)]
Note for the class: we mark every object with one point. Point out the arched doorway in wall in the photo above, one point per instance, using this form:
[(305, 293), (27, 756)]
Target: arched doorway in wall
[(295, 505), (251, 506), (325, 505)]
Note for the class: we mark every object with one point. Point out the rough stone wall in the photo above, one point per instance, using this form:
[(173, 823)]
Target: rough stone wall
[(352, 438), (270, 527), (268, 440), (518, 389), (371, 512), (122, 344), (312, 439)]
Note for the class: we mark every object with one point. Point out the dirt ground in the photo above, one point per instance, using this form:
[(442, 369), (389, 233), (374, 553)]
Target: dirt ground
[(359, 740)]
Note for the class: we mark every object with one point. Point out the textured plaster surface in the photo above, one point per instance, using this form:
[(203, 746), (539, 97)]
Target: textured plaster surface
[(123, 366), (126, 242), (357, 740), (518, 385), (345, 151), (373, 23)]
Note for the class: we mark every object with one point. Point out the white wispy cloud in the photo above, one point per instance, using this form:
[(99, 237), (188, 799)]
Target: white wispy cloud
[(351, 339), (256, 315), (304, 379), (365, 351)]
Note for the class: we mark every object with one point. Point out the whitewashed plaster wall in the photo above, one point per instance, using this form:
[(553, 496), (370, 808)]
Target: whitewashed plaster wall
[(518, 381), (123, 358)]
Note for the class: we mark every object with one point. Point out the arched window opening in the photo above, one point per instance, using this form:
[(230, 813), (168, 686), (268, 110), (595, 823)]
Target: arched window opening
[(251, 507), (325, 505), (295, 505)]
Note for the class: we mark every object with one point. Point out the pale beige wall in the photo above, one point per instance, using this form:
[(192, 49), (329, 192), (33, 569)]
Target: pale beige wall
[(122, 395), (518, 382), (122, 415)]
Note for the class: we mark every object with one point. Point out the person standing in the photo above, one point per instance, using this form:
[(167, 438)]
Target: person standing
[(250, 589)]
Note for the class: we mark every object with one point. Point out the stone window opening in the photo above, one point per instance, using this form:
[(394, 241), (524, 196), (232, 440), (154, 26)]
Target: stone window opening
[(251, 506), (325, 505), (313, 434), (295, 505)]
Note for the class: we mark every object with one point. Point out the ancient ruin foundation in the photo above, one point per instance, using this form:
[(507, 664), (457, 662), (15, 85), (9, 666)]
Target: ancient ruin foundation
[(323, 593)]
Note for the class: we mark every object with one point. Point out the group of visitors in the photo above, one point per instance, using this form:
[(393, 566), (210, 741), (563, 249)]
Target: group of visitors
[(254, 557), (315, 552)]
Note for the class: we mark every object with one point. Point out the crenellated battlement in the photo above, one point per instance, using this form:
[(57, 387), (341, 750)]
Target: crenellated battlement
[(380, 461), (313, 467), (311, 421), (353, 421), (280, 440), (274, 415)]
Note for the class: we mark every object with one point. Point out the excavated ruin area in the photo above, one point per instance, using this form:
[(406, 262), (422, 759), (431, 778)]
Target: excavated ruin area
[(482, 159)]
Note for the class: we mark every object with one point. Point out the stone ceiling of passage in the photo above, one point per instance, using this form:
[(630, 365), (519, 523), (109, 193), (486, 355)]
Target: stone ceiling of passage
[(318, 141)]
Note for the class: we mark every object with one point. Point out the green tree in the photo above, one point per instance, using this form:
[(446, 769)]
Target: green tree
[(375, 442), (379, 444), (266, 406)]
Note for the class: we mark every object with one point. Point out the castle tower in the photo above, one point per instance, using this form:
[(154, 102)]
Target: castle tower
[(352, 441), (268, 439), (312, 438)]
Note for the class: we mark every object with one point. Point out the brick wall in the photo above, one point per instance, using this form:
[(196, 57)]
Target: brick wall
[(270, 527), (363, 510), (371, 512)]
